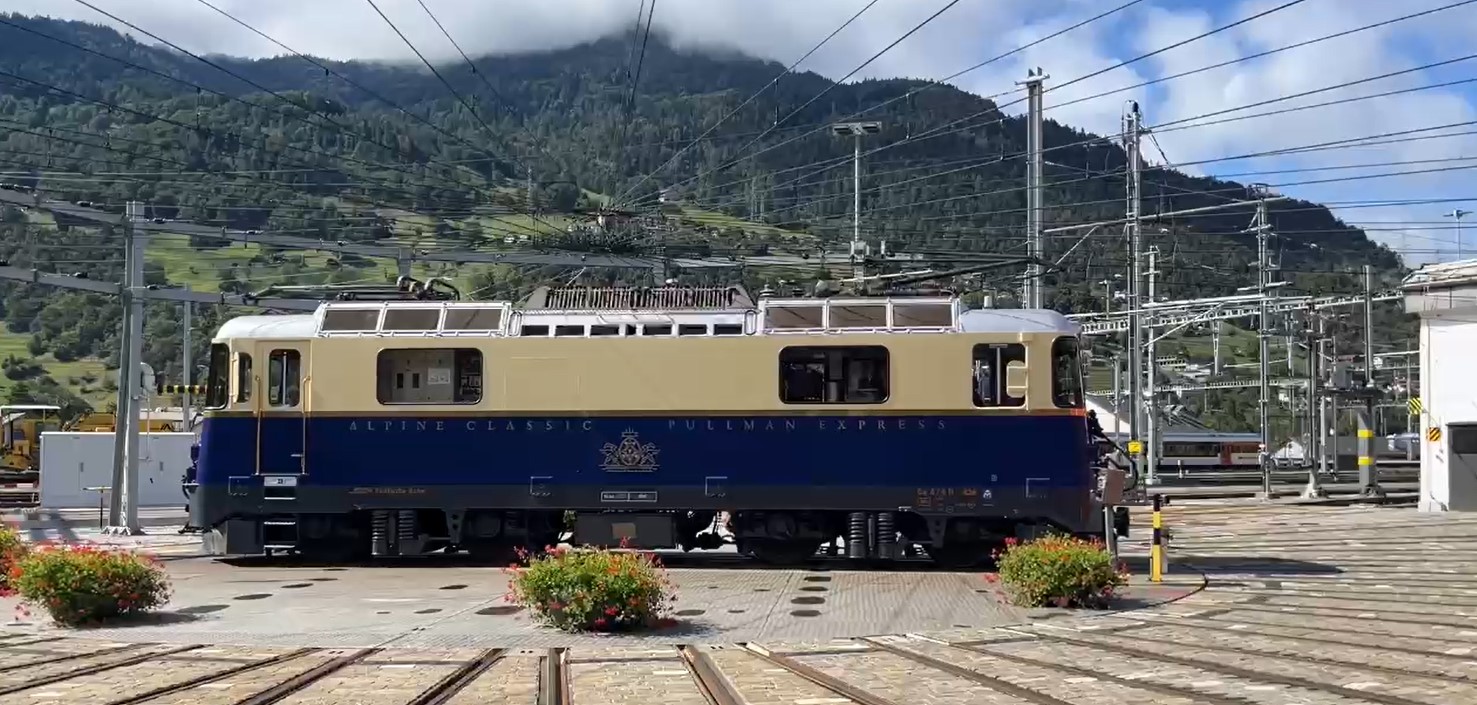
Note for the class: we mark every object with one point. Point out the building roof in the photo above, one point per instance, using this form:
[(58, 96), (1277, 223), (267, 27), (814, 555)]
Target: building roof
[(1444, 274), (1015, 320)]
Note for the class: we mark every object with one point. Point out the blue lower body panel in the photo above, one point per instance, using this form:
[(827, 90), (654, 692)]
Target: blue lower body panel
[(973, 464)]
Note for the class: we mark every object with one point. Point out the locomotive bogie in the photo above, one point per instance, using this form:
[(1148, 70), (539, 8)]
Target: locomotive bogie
[(345, 434)]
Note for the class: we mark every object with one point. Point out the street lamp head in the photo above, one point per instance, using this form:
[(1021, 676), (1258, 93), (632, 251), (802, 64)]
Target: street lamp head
[(846, 129)]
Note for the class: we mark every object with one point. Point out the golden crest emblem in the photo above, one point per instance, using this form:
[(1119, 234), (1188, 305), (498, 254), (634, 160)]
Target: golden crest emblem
[(630, 455)]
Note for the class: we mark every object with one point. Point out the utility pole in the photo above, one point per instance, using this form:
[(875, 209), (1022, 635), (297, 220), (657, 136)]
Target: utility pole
[(1409, 392), (1035, 288), (1369, 480), (1264, 334), (1151, 448), (125, 473), (856, 130), (1132, 132), (126, 371), (1215, 348), (188, 375), (1117, 393), (1315, 406)]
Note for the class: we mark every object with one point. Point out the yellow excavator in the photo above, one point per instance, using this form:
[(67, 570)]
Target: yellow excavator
[(21, 426), (105, 422)]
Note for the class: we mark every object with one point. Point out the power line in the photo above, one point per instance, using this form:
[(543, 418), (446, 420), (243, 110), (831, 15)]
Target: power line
[(943, 129), (297, 104), (849, 74), (1179, 124), (471, 110), (241, 138), (943, 81), (107, 147), (328, 71), (789, 69)]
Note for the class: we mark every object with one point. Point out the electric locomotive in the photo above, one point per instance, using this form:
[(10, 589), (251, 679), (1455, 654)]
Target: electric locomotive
[(407, 427)]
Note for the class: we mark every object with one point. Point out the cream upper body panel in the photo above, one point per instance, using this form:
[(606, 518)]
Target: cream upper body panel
[(736, 373)]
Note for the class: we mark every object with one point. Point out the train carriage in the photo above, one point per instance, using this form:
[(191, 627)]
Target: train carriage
[(409, 427)]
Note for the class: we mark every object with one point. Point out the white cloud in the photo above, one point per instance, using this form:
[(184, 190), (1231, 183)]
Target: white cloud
[(782, 30)]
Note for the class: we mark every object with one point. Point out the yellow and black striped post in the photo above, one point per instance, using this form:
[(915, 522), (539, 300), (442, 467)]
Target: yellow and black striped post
[(1156, 545), (181, 389), (1369, 477)]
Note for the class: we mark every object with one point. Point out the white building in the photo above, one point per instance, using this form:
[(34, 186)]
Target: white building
[(1445, 296)]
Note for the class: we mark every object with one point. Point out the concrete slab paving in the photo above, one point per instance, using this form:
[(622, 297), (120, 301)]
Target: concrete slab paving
[(1300, 604)]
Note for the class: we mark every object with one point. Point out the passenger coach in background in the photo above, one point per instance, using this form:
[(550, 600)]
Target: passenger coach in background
[(409, 427)]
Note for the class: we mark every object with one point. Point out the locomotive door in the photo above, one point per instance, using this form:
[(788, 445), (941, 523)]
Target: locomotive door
[(282, 408)]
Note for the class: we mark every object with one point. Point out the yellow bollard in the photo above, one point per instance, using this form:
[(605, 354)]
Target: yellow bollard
[(1156, 545)]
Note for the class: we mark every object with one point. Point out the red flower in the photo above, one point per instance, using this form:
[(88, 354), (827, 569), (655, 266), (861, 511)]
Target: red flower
[(611, 611)]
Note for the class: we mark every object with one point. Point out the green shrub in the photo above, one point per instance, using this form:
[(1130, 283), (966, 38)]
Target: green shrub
[(86, 584), (12, 550), (592, 589), (1060, 571)]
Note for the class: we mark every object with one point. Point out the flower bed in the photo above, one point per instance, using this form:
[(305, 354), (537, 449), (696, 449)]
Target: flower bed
[(12, 549), (87, 584), (592, 589), (1060, 571)]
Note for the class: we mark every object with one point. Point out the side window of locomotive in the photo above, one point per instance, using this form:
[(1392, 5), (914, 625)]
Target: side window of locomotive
[(1066, 374), (243, 378), (834, 375), (218, 380), (429, 376), (284, 378), (988, 380)]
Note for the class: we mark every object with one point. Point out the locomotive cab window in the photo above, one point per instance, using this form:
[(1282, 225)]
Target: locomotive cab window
[(218, 381), (284, 378), (1066, 374), (990, 378), (243, 378), (834, 375), (430, 376)]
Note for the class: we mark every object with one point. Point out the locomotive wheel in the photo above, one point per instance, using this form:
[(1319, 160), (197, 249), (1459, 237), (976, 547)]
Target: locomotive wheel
[(785, 553)]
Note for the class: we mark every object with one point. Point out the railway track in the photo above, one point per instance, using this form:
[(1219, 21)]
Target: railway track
[(1117, 660)]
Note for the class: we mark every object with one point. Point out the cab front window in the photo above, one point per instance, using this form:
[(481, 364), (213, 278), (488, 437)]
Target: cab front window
[(219, 377), (1066, 374)]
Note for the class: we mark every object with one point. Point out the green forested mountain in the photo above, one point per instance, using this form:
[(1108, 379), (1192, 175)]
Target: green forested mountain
[(364, 152)]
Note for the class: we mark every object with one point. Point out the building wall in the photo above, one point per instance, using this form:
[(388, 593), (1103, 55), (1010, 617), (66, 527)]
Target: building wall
[(73, 462), (1449, 393)]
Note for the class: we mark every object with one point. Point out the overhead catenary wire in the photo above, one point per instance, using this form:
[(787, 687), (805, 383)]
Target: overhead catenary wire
[(1182, 123), (935, 132), (159, 118), (432, 68), (995, 110), (283, 99), (759, 135), (328, 71), (273, 208), (849, 74)]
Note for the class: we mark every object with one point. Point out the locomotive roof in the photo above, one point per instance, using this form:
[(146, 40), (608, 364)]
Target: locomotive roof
[(970, 321), (278, 327), (1010, 320)]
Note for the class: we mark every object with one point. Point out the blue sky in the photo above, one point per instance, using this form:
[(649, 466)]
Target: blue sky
[(974, 30)]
